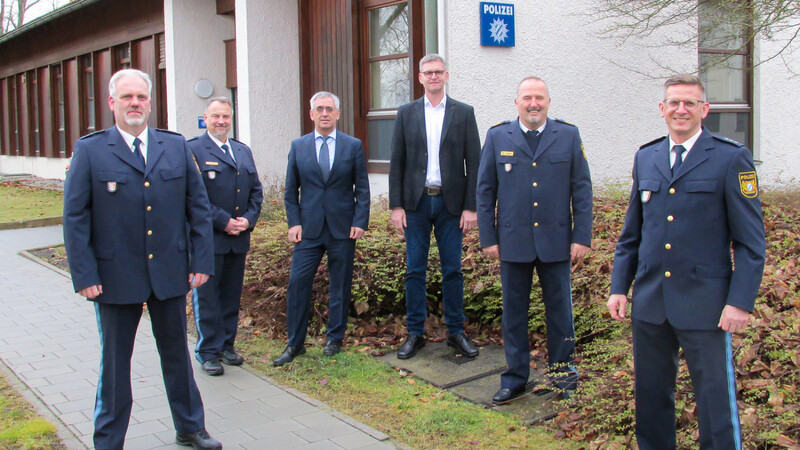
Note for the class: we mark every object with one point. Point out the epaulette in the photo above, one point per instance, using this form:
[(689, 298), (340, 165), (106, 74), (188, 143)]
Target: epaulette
[(501, 123), (728, 141), (91, 134), (653, 142), (236, 140), (169, 131), (565, 122), (192, 139)]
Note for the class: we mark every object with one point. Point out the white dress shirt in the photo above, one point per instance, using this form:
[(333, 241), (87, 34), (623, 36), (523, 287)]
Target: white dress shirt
[(331, 144), (129, 140), (220, 144), (687, 144), (434, 121)]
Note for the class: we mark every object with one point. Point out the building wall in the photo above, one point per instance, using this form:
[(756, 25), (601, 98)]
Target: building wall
[(195, 51), (268, 79), (589, 82)]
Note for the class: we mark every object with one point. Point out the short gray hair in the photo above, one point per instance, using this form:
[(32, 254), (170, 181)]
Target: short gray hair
[(324, 94), (431, 57), (112, 83), (547, 89), (224, 100)]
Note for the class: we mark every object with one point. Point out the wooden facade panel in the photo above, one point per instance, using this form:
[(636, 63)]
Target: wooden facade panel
[(102, 75), (45, 112), (230, 64), (143, 56), (72, 112), (5, 141), (23, 115)]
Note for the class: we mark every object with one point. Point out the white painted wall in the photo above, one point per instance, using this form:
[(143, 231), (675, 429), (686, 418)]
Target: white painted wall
[(777, 130), (39, 166), (615, 109), (268, 65), (194, 35)]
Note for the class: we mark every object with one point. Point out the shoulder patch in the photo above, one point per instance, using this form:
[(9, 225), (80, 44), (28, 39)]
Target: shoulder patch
[(728, 141), (168, 131), (500, 123), (748, 184), (91, 134), (565, 122), (653, 142)]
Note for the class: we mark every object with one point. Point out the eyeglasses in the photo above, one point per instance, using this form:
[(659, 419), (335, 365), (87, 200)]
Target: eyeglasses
[(327, 109), (431, 73), (690, 104)]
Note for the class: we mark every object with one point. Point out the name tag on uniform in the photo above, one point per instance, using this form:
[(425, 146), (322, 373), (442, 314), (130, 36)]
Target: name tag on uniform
[(111, 186), (212, 163), (646, 196), (506, 153), (212, 174)]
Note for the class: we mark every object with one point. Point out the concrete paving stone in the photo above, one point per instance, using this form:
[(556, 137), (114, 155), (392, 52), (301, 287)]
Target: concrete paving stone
[(89, 375), (83, 428), (44, 373), (325, 431), (316, 418), (87, 440), (321, 445), (42, 363), (257, 393), (146, 442), (30, 358), (53, 398), (84, 404), (378, 446), (74, 418), (68, 388), (234, 438), (89, 392), (297, 409), (238, 408), (265, 430), (214, 399), (277, 441), (148, 402), (143, 415), (145, 391), (243, 419), (354, 440), (146, 428)]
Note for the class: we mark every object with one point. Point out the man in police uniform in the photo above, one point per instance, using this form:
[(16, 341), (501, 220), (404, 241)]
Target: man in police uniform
[(694, 196), (534, 171), (234, 190), (137, 228)]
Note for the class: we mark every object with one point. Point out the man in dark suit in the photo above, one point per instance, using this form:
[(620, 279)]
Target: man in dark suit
[(534, 171), (137, 228), (327, 209), (694, 196), (432, 178), (234, 190)]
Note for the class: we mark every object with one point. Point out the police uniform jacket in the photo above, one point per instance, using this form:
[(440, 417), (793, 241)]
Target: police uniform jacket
[(341, 202), (131, 230), (459, 156), (678, 233), (543, 200), (234, 189)]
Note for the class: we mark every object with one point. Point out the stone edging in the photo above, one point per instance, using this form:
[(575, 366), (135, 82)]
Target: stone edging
[(32, 223)]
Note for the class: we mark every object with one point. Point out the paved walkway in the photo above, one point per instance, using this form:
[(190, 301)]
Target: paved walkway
[(50, 349)]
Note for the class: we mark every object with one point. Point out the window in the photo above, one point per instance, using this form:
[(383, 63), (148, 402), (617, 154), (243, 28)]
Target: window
[(57, 98), (87, 95), (122, 56), (725, 64)]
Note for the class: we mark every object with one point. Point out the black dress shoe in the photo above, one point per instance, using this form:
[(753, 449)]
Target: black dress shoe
[(288, 355), (506, 394), (463, 345), (409, 348), (198, 440), (332, 348), (231, 358), (213, 367)]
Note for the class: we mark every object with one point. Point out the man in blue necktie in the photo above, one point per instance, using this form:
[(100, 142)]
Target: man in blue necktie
[(694, 198), (234, 190), (327, 210)]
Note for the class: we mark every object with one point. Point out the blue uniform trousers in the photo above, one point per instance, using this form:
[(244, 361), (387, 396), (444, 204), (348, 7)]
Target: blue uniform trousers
[(216, 306), (554, 278), (306, 257), (117, 326), (709, 357), (432, 214)]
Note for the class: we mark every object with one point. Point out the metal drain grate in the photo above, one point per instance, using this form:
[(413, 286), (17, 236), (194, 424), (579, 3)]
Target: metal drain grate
[(458, 359)]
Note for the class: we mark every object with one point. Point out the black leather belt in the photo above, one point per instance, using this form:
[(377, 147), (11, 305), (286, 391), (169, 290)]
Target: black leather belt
[(433, 190)]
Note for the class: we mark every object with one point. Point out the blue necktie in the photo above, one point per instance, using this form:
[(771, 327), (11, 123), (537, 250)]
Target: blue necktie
[(138, 152), (679, 151), (324, 159), (533, 137), (228, 153)]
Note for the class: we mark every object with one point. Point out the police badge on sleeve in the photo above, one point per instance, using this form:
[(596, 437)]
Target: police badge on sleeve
[(748, 184)]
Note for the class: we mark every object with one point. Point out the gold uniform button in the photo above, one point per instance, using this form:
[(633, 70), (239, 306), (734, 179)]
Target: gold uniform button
[(536, 204), (534, 164), (149, 208), (238, 173), (146, 184), (535, 184), (668, 246), (149, 232), (670, 218), (150, 256), (238, 190), (536, 224), (671, 190), (237, 208), (667, 274)]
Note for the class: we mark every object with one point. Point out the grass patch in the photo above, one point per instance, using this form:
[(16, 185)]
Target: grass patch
[(19, 202), (20, 426), (407, 409)]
